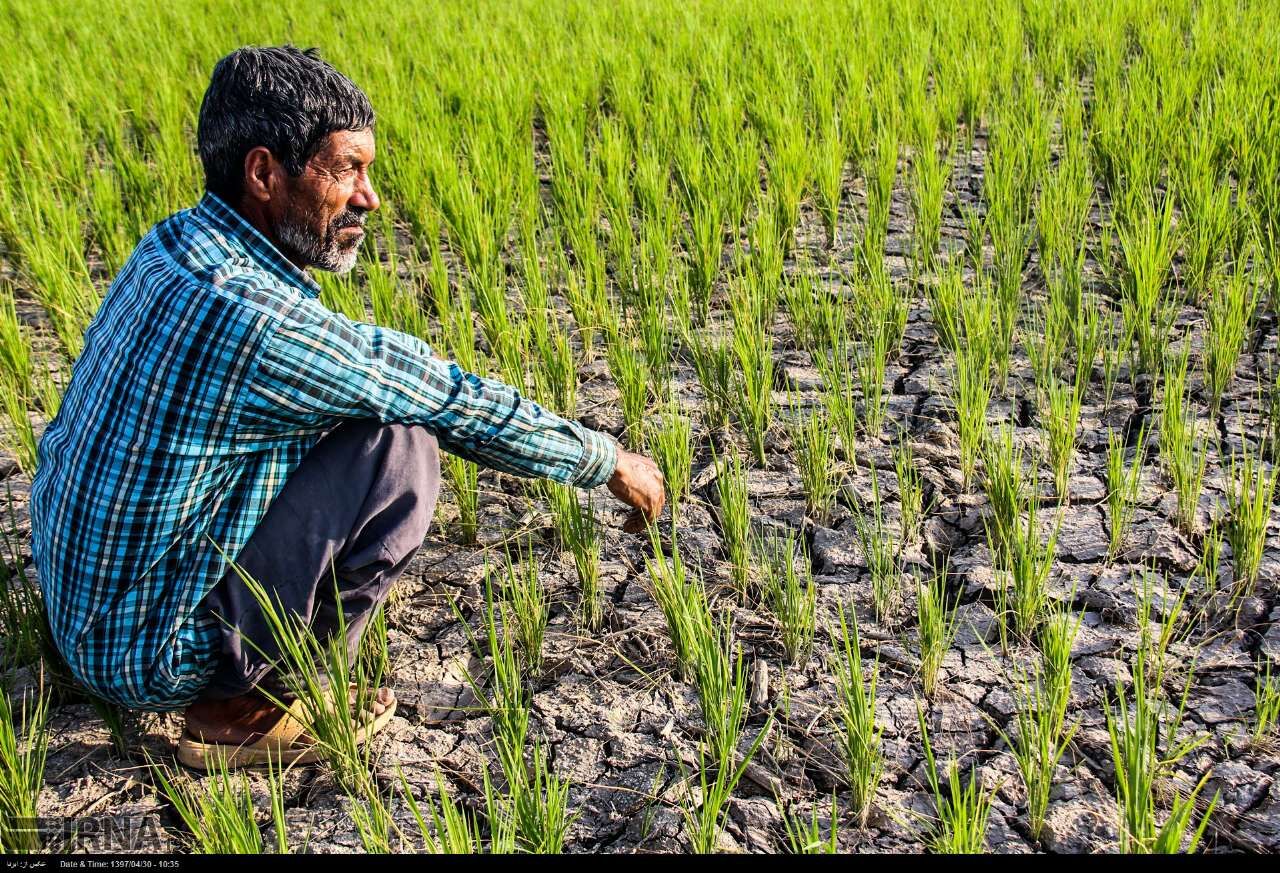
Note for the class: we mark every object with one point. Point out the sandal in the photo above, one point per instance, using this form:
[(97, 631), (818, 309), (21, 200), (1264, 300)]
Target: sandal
[(278, 745)]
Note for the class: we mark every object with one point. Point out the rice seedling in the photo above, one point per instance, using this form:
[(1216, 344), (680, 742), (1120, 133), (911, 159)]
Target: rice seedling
[(1228, 320), (683, 601), (24, 745), (1037, 743), (929, 174), (962, 810), (721, 680), (1062, 420), (1124, 484), (880, 550), (840, 396), (946, 302), (1005, 484), (1148, 305), (218, 811), (804, 837), (714, 365), (706, 804), (910, 488), (522, 590), (734, 515), (871, 360), (631, 374), (453, 829), (936, 626), (1028, 562), (311, 668), (579, 533), (789, 592), (1184, 451), (671, 441), (464, 481), (812, 438), (753, 350), (1250, 493), (1056, 639), (858, 733), (1266, 704)]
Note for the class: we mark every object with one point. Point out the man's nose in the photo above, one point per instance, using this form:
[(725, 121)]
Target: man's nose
[(364, 197)]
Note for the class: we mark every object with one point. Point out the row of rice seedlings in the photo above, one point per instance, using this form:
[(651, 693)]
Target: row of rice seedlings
[(463, 477), (937, 623), (1184, 451), (218, 811), (879, 171), (814, 444), (858, 733), (682, 598), (671, 442), (930, 171), (580, 534), (24, 745), (713, 364), (971, 393), (630, 371), (1006, 486), (840, 394), (788, 590), (753, 352), (962, 809), (1148, 304), (880, 550), (1250, 493), (734, 515), (910, 488), (1124, 485)]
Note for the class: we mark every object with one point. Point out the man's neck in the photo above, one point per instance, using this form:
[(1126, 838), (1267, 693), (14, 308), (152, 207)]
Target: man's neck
[(255, 213)]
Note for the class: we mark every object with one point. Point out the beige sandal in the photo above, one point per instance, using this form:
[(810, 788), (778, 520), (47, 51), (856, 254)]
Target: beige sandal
[(279, 745)]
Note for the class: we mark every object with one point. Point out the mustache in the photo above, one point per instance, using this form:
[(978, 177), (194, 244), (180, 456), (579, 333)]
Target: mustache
[(351, 217)]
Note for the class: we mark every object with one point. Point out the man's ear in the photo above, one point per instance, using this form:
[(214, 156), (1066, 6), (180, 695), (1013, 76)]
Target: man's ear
[(259, 166)]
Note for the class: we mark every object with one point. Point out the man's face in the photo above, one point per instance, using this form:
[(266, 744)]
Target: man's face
[(320, 218)]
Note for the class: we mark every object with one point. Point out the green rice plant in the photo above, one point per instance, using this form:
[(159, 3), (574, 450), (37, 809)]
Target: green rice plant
[(1266, 704), (734, 514), (631, 374), (946, 307), (713, 362), (880, 550), (657, 344), (23, 635), (1251, 489), (1006, 485), (540, 807), (1229, 317), (1124, 484), (1184, 451), (962, 810), (522, 590), (453, 829), (753, 350), (879, 172), (24, 745), (1062, 420), (858, 733), (805, 837), (721, 680), (579, 533), (813, 442), (840, 395), (1056, 640), (706, 804), (463, 477), (22, 440), (308, 667), (683, 601), (871, 359), (1037, 743), (1148, 305), (1028, 562), (15, 354), (970, 397), (929, 174), (789, 592), (910, 488), (671, 442), (218, 811), (828, 176), (937, 625), (555, 371)]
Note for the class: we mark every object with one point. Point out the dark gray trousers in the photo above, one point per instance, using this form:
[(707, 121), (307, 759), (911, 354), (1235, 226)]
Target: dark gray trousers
[(358, 507)]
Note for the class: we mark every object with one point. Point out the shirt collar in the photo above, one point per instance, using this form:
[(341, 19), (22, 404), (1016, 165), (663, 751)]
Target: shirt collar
[(215, 210)]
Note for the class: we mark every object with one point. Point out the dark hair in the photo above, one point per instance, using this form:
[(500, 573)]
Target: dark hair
[(281, 97)]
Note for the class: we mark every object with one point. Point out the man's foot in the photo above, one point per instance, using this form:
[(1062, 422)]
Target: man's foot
[(245, 719)]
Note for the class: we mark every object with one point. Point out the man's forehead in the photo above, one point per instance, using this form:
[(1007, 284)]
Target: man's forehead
[(344, 144)]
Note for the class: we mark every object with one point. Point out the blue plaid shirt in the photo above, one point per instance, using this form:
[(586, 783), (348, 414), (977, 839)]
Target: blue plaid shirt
[(208, 372)]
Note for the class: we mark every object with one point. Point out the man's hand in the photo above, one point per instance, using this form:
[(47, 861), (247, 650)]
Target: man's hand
[(638, 482)]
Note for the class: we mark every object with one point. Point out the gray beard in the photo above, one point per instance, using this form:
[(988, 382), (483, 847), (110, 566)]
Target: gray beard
[(324, 253)]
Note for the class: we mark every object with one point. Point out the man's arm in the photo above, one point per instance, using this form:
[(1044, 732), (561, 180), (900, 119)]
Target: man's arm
[(319, 365)]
